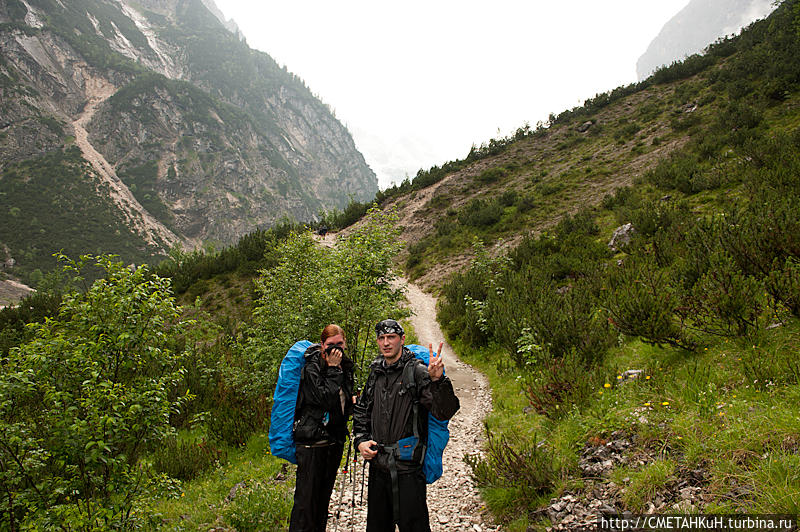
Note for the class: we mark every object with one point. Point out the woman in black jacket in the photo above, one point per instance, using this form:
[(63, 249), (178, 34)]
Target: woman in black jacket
[(324, 404)]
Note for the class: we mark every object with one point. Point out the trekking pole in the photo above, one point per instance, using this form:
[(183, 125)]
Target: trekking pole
[(353, 470), (363, 477), (342, 486)]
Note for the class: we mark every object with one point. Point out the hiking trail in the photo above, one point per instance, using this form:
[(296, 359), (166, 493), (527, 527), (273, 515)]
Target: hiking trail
[(454, 503)]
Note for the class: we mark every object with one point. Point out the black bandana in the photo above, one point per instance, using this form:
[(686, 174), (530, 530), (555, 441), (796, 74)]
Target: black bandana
[(389, 327)]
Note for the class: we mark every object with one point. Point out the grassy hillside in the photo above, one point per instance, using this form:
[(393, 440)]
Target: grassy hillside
[(526, 183)]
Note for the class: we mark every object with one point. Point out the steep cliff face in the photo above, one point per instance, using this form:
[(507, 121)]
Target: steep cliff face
[(188, 133)]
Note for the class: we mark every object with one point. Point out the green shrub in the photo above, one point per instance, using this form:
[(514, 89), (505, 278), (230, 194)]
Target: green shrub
[(627, 132), (185, 460), (783, 283), (508, 198), (480, 213), (85, 398), (582, 223), (553, 385), (525, 202), (520, 465), (492, 175), (643, 302), (680, 171), (549, 188), (725, 301)]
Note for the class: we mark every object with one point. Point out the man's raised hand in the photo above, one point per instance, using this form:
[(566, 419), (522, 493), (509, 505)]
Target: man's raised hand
[(435, 363)]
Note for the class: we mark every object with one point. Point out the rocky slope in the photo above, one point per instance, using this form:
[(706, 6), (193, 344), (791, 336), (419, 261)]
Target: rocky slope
[(184, 133)]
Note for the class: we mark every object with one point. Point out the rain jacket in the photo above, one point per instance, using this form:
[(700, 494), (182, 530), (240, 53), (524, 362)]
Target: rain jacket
[(324, 401), (384, 411)]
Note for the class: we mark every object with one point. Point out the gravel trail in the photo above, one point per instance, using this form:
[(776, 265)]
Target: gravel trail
[(453, 501)]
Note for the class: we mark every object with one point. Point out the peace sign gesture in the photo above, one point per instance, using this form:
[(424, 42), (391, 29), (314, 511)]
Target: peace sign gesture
[(435, 363)]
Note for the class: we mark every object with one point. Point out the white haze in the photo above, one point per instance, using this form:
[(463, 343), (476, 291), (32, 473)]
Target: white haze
[(419, 82)]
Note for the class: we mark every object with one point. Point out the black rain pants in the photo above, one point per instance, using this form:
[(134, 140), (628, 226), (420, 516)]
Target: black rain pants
[(413, 502), (316, 475)]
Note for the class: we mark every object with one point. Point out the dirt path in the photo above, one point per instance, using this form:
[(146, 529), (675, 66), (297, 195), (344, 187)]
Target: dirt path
[(154, 232), (453, 501)]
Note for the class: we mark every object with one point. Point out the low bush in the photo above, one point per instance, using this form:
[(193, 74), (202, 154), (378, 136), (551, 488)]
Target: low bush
[(492, 175), (554, 385), (521, 465), (185, 460), (480, 213), (643, 302), (783, 283)]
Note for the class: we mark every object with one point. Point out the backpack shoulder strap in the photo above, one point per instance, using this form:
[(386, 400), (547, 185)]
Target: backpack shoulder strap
[(409, 379)]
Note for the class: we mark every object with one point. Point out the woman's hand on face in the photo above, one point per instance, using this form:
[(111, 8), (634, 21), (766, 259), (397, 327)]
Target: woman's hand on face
[(334, 358)]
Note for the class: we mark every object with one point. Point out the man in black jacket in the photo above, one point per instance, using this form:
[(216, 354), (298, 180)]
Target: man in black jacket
[(324, 404), (384, 415)]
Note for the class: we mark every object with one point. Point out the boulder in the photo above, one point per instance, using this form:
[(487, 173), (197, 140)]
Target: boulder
[(622, 236)]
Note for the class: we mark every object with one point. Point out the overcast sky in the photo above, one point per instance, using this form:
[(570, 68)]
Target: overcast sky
[(418, 83)]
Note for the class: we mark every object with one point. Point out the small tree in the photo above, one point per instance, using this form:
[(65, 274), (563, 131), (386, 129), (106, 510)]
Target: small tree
[(351, 284), (81, 401)]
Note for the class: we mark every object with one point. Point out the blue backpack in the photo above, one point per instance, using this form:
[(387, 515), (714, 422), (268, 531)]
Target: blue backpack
[(284, 401), (438, 431)]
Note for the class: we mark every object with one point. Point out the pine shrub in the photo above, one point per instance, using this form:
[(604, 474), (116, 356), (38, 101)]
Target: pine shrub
[(644, 302)]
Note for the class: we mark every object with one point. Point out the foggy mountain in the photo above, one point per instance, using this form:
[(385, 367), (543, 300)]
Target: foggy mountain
[(129, 127), (696, 26)]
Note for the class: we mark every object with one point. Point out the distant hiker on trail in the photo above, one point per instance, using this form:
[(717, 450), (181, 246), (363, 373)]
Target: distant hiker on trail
[(391, 431), (324, 404)]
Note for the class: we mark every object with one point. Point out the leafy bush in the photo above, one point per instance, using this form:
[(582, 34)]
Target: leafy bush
[(725, 301), (480, 213), (525, 202), (460, 317), (492, 175), (509, 198), (82, 401), (34, 308), (239, 404), (552, 384), (680, 171), (783, 283), (643, 302), (310, 287)]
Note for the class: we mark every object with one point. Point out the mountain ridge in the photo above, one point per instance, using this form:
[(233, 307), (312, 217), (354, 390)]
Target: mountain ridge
[(191, 135)]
